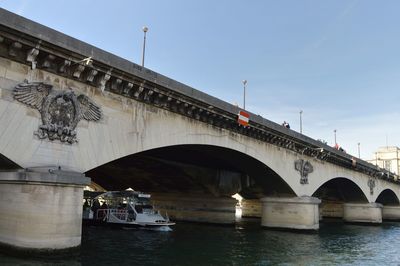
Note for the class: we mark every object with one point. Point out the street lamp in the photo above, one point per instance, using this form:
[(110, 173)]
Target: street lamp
[(244, 93), (145, 29), (334, 131), (301, 122), (358, 144)]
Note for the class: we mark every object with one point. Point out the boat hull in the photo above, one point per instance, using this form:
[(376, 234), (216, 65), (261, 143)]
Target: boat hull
[(93, 222)]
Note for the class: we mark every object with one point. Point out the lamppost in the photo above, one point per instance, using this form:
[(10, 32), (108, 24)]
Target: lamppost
[(244, 93), (301, 122), (145, 29), (358, 144), (334, 132)]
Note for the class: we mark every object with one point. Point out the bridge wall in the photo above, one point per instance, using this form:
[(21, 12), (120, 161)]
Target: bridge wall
[(130, 127)]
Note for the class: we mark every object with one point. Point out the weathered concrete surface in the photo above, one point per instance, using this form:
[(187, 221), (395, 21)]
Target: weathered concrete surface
[(41, 210), (290, 213), (251, 208), (362, 213), (331, 209), (391, 213), (196, 208)]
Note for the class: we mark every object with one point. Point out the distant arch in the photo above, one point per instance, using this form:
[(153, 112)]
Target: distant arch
[(340, 189), (388, 197)]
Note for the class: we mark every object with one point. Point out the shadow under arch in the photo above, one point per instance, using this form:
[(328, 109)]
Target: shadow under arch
[(340, 189), (7, 164), (388, 197), (334, 193), (192, 169)]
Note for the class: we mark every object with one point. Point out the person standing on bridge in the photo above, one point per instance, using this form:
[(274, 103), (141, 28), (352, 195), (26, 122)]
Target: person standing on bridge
[(286, 124)]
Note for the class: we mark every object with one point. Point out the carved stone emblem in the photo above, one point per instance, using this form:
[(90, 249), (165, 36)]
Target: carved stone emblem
[(371, 185), (61, 110), (304, 167)]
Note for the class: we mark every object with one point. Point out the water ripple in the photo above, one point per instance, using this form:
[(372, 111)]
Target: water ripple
[(245, 244)]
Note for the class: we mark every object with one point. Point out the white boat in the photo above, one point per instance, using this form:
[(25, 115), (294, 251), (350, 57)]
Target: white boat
[(127, 209)]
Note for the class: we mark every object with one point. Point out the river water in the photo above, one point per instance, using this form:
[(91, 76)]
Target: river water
[(244, 244)]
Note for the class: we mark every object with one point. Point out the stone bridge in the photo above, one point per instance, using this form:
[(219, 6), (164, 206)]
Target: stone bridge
[(70, 111)]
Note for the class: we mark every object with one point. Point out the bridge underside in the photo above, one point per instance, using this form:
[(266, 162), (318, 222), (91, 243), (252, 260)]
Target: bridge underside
[(191, 169), (388, 197), (193, 182), (335, 193), (7, 164), (340, 190)]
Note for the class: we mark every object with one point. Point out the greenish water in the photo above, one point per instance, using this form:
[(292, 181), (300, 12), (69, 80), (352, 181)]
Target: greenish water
[(244, 244)]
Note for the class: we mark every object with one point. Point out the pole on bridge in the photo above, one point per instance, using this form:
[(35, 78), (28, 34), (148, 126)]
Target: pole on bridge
[(145, 29), (334, 132), (244, 94), (301, 122)]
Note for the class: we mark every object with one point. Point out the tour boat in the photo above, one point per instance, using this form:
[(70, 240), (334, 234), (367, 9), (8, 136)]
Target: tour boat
[(126, 209)]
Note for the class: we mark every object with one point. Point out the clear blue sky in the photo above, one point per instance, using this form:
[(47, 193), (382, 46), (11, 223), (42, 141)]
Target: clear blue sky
[(337, 60)]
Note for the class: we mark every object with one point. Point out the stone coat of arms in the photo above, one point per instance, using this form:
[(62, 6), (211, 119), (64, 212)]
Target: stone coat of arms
[(61, 110), (304, 167)]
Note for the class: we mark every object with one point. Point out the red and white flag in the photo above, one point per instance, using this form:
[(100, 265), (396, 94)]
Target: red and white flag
[(243, 118)]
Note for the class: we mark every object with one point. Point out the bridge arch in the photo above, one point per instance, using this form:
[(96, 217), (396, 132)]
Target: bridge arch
[(181, 168), (334, 193), (340, 189), (388, 197)]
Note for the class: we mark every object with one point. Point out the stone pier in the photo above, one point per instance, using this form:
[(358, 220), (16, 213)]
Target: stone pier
[(362, 213), (196, 208), (41, 209), (290, 213), (251, 208), (391, 213)]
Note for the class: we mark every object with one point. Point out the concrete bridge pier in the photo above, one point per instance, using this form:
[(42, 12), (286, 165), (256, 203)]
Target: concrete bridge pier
[(391, 213), (331, 209), (251, 208), (41, 209), (290, 213), (196, 208), (362, 212)]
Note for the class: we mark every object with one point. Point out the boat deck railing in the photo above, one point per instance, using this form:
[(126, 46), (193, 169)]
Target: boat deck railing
[(120, 214)]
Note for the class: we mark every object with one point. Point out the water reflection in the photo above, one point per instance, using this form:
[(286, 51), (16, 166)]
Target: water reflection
[(243, 244)]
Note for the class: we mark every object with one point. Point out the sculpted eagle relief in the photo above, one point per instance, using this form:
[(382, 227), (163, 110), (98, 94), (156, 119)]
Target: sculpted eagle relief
[(61, 110)]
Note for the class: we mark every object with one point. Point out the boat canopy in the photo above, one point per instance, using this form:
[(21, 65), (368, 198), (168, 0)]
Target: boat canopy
[(122, 194)]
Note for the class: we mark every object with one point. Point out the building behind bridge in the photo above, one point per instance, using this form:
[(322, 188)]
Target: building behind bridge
[(387, 158)]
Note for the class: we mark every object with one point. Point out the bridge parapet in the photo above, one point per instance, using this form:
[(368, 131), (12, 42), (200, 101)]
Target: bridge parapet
[(30, 43)]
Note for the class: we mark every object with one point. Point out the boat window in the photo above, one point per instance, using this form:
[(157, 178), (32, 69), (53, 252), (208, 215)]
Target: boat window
[(144, 200), (139, 208)]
